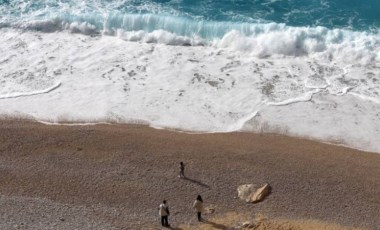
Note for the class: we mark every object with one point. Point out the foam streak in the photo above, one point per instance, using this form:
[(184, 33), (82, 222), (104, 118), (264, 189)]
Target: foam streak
[(15, 95)]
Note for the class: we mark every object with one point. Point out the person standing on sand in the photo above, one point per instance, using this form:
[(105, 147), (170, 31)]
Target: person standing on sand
[(198, 206), (163, 211), (181, 170)]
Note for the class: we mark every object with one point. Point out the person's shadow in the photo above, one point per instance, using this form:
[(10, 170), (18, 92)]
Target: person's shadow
[(175, 228), (216, 225), (196, 182)]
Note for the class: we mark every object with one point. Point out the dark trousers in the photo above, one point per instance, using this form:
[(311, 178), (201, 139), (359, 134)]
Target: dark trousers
[(199, 216), (164, 221)]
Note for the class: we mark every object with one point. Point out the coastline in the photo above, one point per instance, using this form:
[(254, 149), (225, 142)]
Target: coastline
[(114, 176), (242, 130), (191, 87)]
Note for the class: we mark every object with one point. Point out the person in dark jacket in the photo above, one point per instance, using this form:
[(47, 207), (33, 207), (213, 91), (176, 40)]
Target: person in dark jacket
[(181, 170)]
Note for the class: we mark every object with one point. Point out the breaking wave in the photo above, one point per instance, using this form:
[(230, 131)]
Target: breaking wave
[(261, 40)]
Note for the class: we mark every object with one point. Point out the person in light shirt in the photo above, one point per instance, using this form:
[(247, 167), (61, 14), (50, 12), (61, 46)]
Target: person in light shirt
[(198, 206), (163, 211)]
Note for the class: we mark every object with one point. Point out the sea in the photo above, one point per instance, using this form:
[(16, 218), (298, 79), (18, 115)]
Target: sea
[(303, 68)]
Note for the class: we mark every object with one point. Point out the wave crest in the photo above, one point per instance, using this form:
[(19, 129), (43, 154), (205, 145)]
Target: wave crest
[(257, 39), (331, 45)]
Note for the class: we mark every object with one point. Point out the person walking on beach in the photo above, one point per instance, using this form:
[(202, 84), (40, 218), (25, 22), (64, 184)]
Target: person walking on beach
[(163, 211), (181, 170), (198, 206)]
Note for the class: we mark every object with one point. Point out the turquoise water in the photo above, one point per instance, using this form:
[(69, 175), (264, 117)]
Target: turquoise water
[(203, 18)]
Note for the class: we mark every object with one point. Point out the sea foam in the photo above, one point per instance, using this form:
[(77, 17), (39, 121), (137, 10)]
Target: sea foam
[(261, 40), (213, 86)]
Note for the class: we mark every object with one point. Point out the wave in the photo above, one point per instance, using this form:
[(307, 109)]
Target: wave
[(262, 40), (327, 13), (199, 89)]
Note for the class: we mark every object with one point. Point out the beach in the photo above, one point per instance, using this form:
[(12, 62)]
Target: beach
[(114, 176), (101, 100)]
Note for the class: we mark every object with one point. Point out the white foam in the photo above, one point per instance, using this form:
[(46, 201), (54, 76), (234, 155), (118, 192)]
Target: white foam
[(83, 28), (260, 40), (334, 45), (25, 94), (366, 98), (196, 88), (303, 98), (160, 36), (73, 124)]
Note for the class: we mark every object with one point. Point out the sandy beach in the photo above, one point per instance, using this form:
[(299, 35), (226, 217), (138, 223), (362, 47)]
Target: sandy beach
[(115, 176)]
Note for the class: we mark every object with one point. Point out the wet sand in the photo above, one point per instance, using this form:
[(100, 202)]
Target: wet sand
[(115, 176)]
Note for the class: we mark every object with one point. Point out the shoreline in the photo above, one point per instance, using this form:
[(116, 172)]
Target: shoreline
[(114, 176), (190, 88), (148, 125)]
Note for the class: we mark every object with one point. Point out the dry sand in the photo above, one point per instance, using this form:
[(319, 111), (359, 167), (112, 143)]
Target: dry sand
[(115, 176)]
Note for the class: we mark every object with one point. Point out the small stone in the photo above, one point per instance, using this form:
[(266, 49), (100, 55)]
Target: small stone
[(247, 224), (62, 219), (210, 210)]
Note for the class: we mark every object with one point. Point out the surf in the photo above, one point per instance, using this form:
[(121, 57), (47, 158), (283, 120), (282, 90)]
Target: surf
[(191, 68)]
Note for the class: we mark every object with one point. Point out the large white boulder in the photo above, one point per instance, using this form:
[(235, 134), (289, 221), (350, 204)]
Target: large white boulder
[(253, 193)]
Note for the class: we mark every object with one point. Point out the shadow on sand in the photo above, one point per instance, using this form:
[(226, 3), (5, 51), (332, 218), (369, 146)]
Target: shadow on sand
[(216, 225), (196, 182), (174, 228)]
